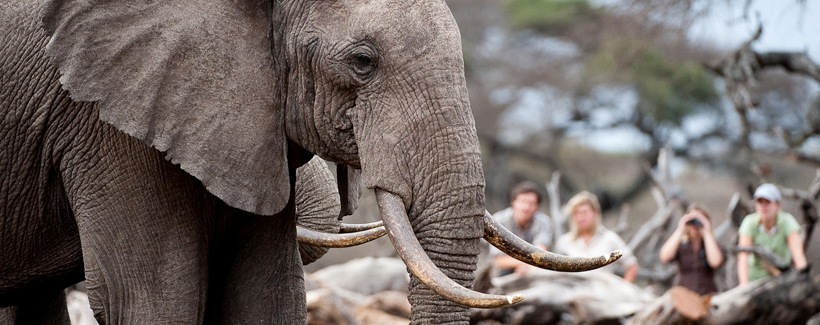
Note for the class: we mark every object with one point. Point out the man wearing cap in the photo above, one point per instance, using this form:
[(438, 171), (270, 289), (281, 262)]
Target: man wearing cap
[(770, 228)]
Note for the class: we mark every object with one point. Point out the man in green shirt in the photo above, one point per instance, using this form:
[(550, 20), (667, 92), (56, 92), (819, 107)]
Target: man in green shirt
[(770, 228)]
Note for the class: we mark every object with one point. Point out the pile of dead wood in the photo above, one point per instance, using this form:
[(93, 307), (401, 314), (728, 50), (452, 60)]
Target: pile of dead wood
[(552, 297), (363, 293), (360, 292), (603, 298)]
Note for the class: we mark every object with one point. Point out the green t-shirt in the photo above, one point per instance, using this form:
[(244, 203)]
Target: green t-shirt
[(775, 241)]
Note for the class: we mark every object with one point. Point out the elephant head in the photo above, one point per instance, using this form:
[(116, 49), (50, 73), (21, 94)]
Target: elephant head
[(237, 91), (385, 85)]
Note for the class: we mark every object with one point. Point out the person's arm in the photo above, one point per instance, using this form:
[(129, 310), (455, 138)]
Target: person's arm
[(713, 254), (795, 242), (714, 257), (524, 268), (631, 272), (743, 260), (670, 247), (504, 261)]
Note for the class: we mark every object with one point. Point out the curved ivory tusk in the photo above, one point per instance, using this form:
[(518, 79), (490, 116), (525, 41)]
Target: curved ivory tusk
[(417, 261), (323, 239), (514, 246), (351, 227)]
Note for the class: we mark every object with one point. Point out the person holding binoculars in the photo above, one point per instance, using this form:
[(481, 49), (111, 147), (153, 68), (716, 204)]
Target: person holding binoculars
[(694, 247)]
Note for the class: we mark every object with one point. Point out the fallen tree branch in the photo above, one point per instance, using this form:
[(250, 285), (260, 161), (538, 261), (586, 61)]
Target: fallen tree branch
[(559, 220), (765, 255), (795, 62), (792, 298)]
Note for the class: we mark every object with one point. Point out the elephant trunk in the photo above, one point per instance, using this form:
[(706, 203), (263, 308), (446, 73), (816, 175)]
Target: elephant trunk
[(433, 212), (418, 148), (440, 266)]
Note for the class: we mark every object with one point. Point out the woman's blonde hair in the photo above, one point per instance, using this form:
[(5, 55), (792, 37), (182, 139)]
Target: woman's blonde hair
[(583, 198), (700, 208)]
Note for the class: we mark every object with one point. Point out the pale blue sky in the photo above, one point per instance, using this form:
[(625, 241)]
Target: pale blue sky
[(787, 25)]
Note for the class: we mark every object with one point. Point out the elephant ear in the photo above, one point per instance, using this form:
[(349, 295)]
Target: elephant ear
[(194, 79)]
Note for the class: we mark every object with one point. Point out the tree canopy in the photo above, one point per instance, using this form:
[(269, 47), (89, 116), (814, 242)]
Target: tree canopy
[(568, 69)]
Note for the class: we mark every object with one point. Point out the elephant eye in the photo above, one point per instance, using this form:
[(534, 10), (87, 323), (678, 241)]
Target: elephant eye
[(363, 63)]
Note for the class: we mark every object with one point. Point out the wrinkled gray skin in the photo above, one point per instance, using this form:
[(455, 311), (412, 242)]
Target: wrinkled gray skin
[(166, 134), (317, 204), (317, 208)]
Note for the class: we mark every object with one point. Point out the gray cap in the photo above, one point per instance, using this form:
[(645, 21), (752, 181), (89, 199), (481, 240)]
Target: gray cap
[(767, 191)]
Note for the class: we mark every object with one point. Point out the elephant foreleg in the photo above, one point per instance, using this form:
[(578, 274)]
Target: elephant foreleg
[(144, 235), (258, 278)]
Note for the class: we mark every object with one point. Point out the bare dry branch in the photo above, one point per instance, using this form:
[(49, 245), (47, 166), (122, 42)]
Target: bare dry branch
[(559, 220), (795, 62)]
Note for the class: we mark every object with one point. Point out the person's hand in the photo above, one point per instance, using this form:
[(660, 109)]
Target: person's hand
[(523, 269), (705, 227), (685, 219)]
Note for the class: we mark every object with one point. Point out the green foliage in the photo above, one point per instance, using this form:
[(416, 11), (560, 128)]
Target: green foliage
[(548, 16), (668, 90)]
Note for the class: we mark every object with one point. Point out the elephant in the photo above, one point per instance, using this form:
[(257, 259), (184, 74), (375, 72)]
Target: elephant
[(317, 213), (158, 142)]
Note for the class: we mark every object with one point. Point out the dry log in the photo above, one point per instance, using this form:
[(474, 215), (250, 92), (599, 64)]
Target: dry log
[(655, 223), (737, 211), (808, 208), (587, 297), (559, 220), (792, 298), (324, 307), (770, 261), (335, 306), (623, 220), (391, 302), (678, 306), (367, 275)]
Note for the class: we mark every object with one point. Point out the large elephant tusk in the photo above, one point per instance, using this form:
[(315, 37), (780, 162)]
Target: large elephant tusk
[(409, 249), (356, 227), (322, 239), (514, 246)]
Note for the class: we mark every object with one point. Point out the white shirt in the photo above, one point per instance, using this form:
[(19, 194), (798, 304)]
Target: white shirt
[(602, 243)]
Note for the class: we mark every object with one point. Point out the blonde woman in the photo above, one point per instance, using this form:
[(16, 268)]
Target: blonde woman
[(694, 247), (588, 237)]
